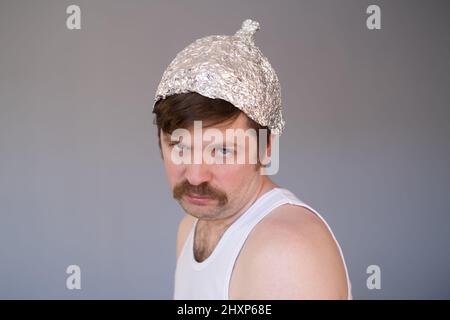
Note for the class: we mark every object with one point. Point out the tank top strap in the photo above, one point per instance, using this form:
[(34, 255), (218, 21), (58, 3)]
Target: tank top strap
[(272, 199)]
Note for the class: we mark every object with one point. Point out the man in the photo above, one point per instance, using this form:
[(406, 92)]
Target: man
[(244, 237)]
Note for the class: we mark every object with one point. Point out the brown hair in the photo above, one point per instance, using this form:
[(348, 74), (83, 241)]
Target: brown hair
[(181, 110)]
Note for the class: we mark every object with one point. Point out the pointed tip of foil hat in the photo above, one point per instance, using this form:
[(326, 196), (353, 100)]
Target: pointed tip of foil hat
[(250, 26), (248, 29)]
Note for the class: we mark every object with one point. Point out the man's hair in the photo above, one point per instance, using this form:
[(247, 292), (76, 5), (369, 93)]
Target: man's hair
[(181, 110)]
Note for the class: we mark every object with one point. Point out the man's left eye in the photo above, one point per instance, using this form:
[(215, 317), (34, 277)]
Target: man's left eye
[(224, 151)]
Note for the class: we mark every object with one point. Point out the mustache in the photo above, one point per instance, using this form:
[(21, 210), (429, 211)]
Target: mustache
[(204, 190)]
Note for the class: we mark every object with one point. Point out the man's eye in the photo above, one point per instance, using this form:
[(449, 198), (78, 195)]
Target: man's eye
[(224, 151), (178, 146)]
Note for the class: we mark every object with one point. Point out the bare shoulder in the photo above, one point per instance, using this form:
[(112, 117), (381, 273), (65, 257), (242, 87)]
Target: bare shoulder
[(183, 231), (291, 254)]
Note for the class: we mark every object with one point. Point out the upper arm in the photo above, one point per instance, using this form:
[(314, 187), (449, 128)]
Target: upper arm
[(293, 259), (183, 231)]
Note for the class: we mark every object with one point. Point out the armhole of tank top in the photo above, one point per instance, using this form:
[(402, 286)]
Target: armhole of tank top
[(289, 198), (186, 241), (341, 254), (347, 277), (296, 201)]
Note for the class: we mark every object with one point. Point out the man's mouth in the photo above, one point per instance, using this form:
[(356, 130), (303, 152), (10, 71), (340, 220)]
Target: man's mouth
[(197, 199)]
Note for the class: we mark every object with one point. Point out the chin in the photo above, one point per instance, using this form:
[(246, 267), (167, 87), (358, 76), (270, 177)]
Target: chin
[(196, 211), (204, 213)]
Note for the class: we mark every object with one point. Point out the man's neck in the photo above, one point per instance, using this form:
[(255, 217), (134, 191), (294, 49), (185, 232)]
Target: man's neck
[(265, 185), (209, 232)]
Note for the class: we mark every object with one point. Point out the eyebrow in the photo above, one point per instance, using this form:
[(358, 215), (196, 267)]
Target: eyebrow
[(167, 138), (224, 145)]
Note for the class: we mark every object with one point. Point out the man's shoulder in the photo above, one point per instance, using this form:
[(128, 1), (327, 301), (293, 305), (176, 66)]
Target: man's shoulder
[(293, 252), (291, 226)]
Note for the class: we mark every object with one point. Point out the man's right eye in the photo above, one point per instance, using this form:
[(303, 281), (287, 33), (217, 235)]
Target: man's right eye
[(178, 146)]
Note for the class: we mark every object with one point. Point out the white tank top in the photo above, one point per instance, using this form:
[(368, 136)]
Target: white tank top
[(210, 279)]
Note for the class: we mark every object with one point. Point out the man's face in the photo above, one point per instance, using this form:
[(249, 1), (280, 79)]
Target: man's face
[(206, 190)]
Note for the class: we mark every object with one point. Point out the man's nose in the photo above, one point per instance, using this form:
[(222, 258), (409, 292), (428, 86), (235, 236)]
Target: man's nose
[(198, 173)]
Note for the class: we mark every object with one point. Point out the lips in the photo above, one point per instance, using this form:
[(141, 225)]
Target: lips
[(197, 199)]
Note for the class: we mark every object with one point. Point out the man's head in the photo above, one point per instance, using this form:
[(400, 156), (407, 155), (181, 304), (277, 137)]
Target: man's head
[(228, 84), (209, 190)]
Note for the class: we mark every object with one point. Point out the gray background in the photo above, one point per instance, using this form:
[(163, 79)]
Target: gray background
[(82, 182)]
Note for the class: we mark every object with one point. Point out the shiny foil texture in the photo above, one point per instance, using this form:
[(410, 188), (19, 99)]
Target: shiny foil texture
[(231, 68)]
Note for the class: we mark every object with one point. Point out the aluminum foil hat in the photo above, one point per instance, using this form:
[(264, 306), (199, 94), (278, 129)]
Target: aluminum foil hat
[(231, 68)]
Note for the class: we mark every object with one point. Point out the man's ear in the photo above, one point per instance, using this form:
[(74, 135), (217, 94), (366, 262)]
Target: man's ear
[(269, 145), (271, 156), (267, 151), (160, 149), (160, 133)]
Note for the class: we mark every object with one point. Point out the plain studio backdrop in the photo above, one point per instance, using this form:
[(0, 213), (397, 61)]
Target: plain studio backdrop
[(81, 178)]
